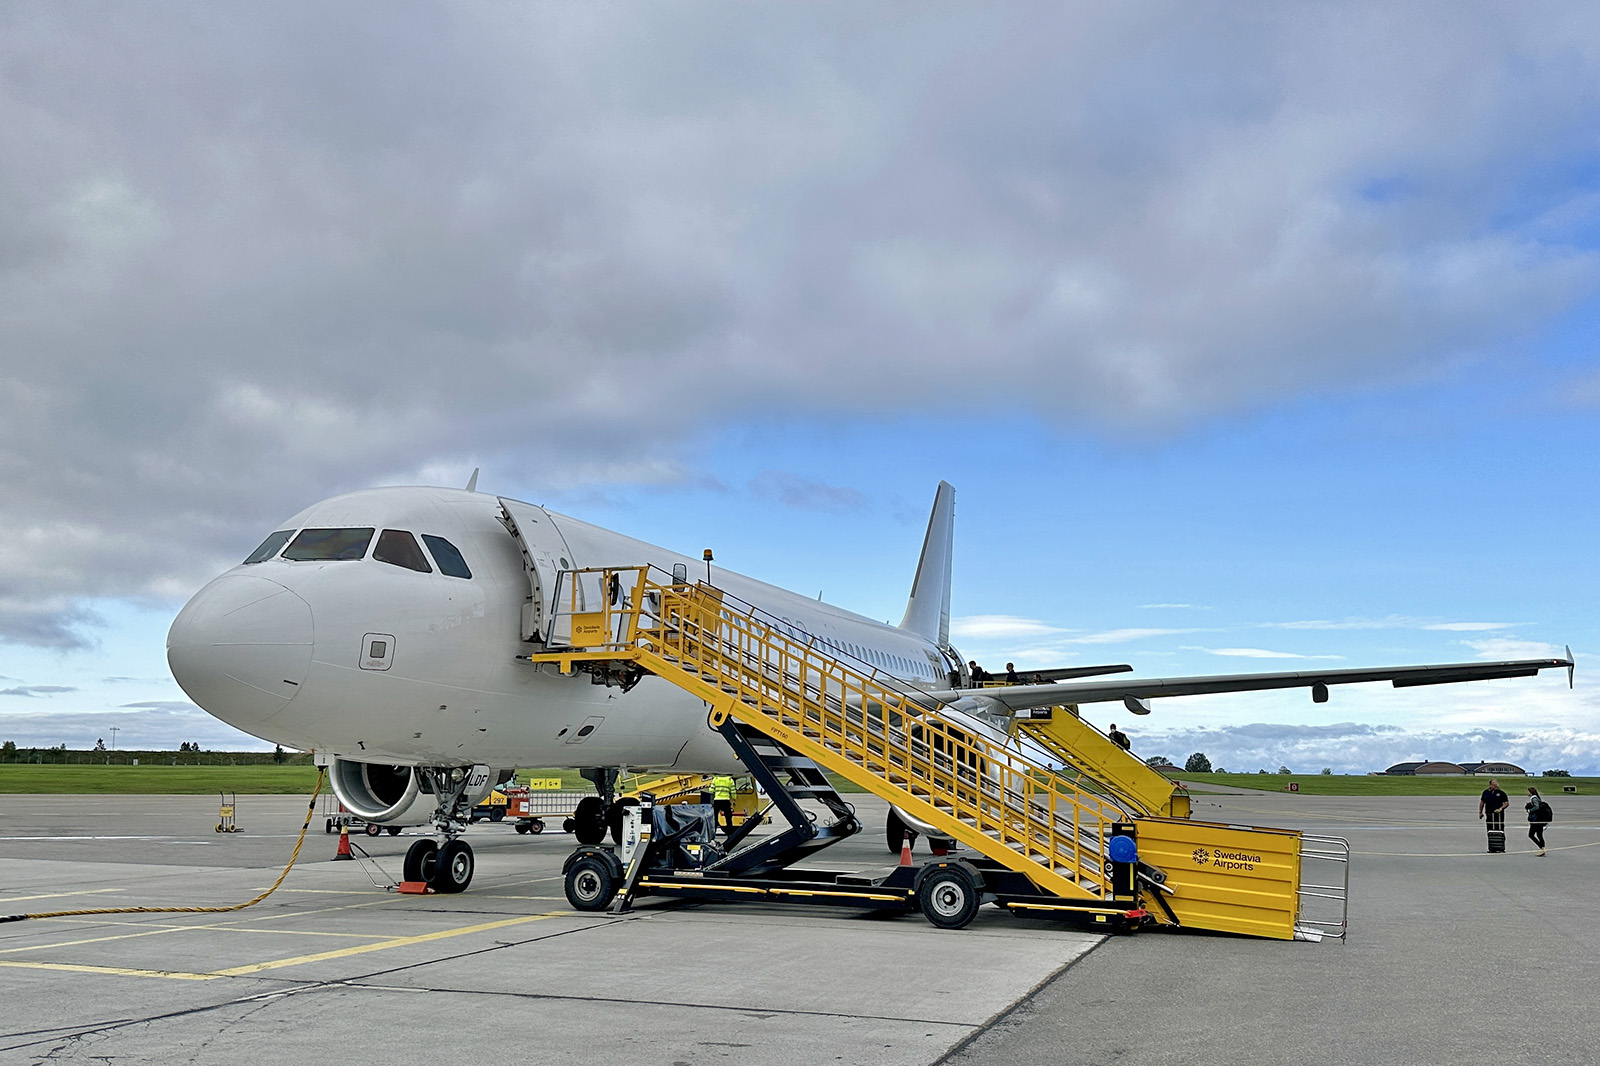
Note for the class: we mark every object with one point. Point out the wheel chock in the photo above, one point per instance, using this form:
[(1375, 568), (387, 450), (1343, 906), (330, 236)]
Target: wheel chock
[(414, 888)]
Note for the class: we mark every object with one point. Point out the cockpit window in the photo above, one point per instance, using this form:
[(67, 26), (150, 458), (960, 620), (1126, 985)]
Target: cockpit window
[(400, 548), (445, 554), (270, 546), (329, 544)]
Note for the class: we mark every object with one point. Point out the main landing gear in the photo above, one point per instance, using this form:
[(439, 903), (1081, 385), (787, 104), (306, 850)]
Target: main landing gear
[(447, 866)]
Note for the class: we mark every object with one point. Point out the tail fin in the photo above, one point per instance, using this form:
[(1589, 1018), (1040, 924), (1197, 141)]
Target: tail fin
[(928, 610)]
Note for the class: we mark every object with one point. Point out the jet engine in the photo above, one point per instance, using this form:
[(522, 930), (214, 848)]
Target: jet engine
[(401, 795)]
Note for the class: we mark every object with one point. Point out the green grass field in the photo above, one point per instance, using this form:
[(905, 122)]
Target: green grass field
[(269, 779)]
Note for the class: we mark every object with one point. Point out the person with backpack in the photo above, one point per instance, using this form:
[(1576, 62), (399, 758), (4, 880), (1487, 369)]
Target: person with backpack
[(1539, 816)]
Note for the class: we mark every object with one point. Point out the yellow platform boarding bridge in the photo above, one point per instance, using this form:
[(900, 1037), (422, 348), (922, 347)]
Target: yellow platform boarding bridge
[(1060, 821)]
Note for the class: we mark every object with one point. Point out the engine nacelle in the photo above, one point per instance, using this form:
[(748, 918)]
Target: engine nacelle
[(401, 795)]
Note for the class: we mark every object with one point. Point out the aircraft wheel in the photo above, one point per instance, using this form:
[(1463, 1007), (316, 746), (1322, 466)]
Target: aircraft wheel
[(589, 820), (590, 884), (452, 872), (619, 811), (374, 829), (421, 858), (949, 897), (896, 832)]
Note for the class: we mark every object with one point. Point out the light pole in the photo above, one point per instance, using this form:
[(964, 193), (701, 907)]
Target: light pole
[(114, 737)]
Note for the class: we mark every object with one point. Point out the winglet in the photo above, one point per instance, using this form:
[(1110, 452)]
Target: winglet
[(472, 482), (1572, 666), (928, 609)]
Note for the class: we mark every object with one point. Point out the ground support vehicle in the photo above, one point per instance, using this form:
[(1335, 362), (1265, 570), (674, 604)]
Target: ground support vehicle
[(529, 809), (1058, 829)]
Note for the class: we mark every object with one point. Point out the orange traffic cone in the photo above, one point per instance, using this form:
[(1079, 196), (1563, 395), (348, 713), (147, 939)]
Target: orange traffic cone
[(905, 849), (344, 844)]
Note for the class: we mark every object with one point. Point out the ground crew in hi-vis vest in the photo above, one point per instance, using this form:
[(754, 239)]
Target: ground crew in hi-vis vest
[(722, 789)]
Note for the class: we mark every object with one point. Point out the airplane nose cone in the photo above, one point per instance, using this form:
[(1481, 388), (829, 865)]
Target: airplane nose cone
[(241, 647)]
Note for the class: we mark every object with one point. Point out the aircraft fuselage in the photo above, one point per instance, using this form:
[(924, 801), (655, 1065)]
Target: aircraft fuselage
[(359, 636)]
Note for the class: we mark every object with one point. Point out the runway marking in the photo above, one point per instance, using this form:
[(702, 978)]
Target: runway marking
[(112, 971), (278, 964), (58, 895), (385, 945)]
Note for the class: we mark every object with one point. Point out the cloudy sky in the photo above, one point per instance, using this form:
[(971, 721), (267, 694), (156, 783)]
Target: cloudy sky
[(1250, 337)]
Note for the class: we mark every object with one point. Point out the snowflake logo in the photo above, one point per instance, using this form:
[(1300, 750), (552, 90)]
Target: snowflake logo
[(1201, 856)]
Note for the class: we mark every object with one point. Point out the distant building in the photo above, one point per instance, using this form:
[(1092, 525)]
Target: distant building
[(1439, 767), (1494, 768)]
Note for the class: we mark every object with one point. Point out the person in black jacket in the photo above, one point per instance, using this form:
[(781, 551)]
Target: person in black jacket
[(1492, 809), (1538, 818)]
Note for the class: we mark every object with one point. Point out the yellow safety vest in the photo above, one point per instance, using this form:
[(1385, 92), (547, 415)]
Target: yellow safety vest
[(722, 788)]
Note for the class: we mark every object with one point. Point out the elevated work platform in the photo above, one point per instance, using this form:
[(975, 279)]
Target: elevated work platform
[(1048, 843)]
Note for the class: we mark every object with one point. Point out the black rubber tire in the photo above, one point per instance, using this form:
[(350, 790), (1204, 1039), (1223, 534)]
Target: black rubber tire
[(421, 858), (617, 813), (452, 871), (394, 830), (895, 832), (589, 820), (537, 826), (328, 826), (949, 897), (522, 828), (374, 829), (497, 814), (591, 885)]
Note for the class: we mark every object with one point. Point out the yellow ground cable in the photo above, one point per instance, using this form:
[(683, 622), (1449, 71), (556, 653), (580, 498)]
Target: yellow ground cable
[(310, 810)]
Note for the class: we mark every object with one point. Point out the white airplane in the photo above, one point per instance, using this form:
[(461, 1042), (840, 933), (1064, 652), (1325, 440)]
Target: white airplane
[(383, 629)]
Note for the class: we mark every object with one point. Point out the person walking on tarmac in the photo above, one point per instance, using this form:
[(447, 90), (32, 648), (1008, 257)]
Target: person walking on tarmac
[(1538, 817), (1492, 808), (1119, 738), (722, 790)]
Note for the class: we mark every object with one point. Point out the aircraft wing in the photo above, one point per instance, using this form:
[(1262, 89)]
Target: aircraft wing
[(1135, 693)]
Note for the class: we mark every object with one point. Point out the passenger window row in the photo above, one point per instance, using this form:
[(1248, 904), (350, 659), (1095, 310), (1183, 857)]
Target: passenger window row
[(397, 547)]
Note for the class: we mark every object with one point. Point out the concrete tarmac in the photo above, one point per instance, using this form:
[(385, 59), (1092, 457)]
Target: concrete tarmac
[(1453, 956), (332, 967), (1448, 951)]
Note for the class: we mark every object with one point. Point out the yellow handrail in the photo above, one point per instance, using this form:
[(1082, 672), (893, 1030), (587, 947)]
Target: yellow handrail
[(893, 742)]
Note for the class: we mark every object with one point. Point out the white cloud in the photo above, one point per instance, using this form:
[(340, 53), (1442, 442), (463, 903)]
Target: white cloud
[(1123, 636), (1496, 648), (1258, 653), (574, 236), (983, 627), (1470, 627)]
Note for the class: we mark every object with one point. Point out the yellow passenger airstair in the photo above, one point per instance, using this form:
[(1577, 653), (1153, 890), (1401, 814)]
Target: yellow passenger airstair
[(1051, 843)]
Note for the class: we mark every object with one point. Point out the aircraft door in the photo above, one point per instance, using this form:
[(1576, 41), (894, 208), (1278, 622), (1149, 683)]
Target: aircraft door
[(544, 554)]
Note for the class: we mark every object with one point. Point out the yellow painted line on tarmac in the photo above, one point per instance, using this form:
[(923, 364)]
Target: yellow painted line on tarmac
[(258, 967), (111, 971), (385, 945), (59, 895)]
